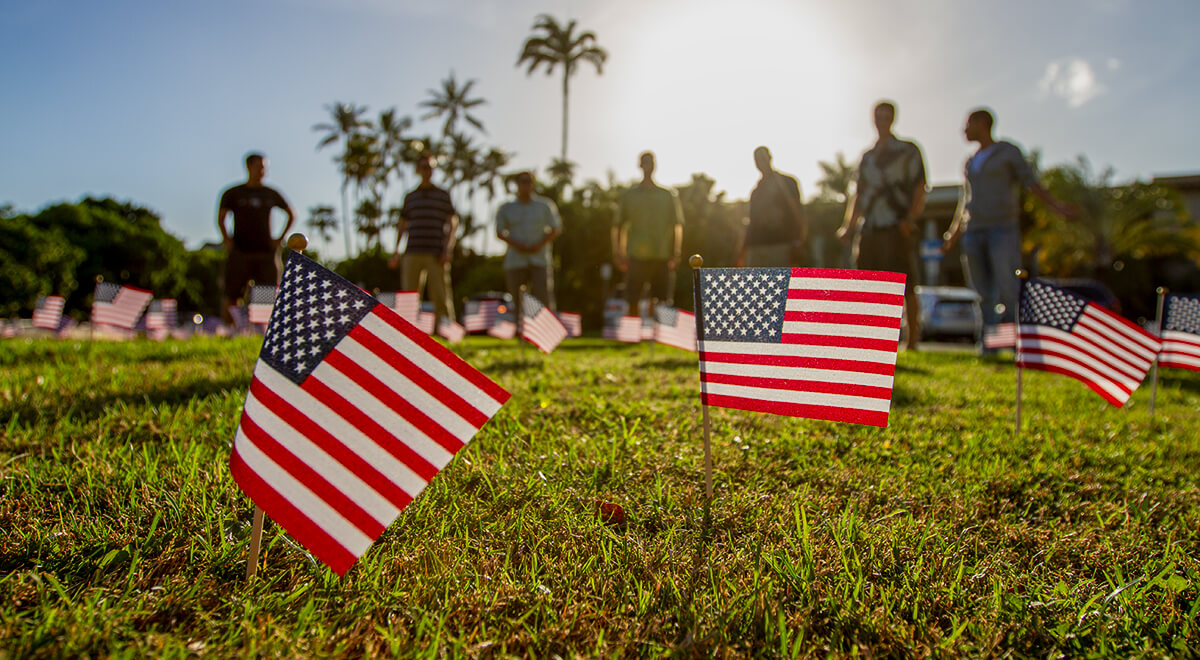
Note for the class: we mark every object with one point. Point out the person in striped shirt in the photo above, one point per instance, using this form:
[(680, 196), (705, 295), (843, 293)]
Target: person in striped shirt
[(429, 220)]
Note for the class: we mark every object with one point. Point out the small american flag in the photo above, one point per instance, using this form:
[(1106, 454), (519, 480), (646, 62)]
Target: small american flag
[(540, 325), (648, 328), (405, 303), (350, 413), (48, 314), (503, 328), (625, 328), (675, 328), (262, 301), (572, 322), (118, 306), (161, 314), (479, 315), (451, 331), (804, 342), (1001, 335), (1181, 332), (1063, 333), (425, 321)]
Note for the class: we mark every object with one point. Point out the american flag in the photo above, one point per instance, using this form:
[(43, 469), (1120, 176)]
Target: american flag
[(625, 328), (675, 327), (451, 331), (1063, 333), (48, 314), (161, 314), (425, 321), (262, 301), (350, 413), (405, 303), (1181, 332), (503, 328), (118, 306), (540, 325), (1001, 335), (479, 315), (572, 322), (805, 342)]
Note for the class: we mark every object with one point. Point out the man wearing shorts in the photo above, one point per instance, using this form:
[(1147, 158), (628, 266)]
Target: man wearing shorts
[(252, 253), (647, 239), (429, 220), (889, 198)]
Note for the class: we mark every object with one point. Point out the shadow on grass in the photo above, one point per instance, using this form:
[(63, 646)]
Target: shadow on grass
[(509, 366), (34, 410)]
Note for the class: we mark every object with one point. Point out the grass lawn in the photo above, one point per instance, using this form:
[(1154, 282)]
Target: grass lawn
[(121, 531)]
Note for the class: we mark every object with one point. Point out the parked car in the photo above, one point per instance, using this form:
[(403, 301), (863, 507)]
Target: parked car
[(950, 312)]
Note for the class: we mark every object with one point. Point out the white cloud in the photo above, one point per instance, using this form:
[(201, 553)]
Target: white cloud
[(1072, 80)]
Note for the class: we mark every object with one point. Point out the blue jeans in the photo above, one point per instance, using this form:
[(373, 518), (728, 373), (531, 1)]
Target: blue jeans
[(991, 258)]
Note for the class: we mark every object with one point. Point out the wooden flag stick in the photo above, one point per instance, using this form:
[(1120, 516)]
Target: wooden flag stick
[(697, 262), (296, 242), (1162, 295), (255, 544), (520, 316), (1021, 277)]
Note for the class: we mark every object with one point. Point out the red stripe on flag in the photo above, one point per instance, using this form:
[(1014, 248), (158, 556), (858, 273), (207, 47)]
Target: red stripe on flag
[(393, 400), (317, 434), (788, 384), (312, 480), (841, 342), (451, 360), (1039, 366), (830, 413), (305, 531), (845, 274), (419, 377), (369, 427), (803, 362), (846, 296)]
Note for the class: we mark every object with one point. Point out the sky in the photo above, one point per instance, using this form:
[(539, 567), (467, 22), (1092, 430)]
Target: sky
[(158, 102)]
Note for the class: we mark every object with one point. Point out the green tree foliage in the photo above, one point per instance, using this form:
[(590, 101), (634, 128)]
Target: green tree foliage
[(34, 261), (1121, 236), (123, 243), (347, 122)]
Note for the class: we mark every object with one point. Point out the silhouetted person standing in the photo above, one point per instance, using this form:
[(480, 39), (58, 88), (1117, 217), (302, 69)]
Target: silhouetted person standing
[(647, 238), (252, 253), (777, 228), (528, 225), (430, 221), (889, 197), (988, 215)]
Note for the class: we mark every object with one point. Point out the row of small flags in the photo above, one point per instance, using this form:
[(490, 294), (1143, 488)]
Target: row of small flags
[(1061, 332)]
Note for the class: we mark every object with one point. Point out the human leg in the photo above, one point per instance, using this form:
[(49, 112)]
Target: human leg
[(1005, 248)]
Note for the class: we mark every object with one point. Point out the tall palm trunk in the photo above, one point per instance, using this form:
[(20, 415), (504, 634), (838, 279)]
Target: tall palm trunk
[(346, 219), (566, 77)]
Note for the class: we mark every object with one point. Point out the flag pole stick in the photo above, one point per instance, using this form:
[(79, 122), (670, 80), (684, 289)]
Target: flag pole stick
[(91, 317), (697, 262), (1158, 329), (296, 242), (255, 544), (1021, 277)]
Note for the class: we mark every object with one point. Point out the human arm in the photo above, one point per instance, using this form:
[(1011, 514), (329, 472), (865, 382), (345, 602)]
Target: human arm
[(291, 218), (1063, 209), (448, 252), (957, 225), (677, 236), (845, 233), (908, 225), (799, 221), (226, 239), (401, 229), (620, 237)]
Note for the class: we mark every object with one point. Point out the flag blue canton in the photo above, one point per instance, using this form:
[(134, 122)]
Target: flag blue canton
[(262, 295), (386, 298), (530, 305), (744, 304), (1182, 314), (666, 315), (106, 292), (316, 309), (1043, 304)]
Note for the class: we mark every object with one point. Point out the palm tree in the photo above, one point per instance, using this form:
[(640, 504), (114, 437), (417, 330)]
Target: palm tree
[(562, 173), (323, 220), (557, 45), (361, 163), (347, 122), (368, 215), (453, 103), (837, 178), (390, 134)]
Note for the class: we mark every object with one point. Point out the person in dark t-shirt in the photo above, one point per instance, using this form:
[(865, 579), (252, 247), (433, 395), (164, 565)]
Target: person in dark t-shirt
[(778, 227), (252, 252), (430, 221)]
